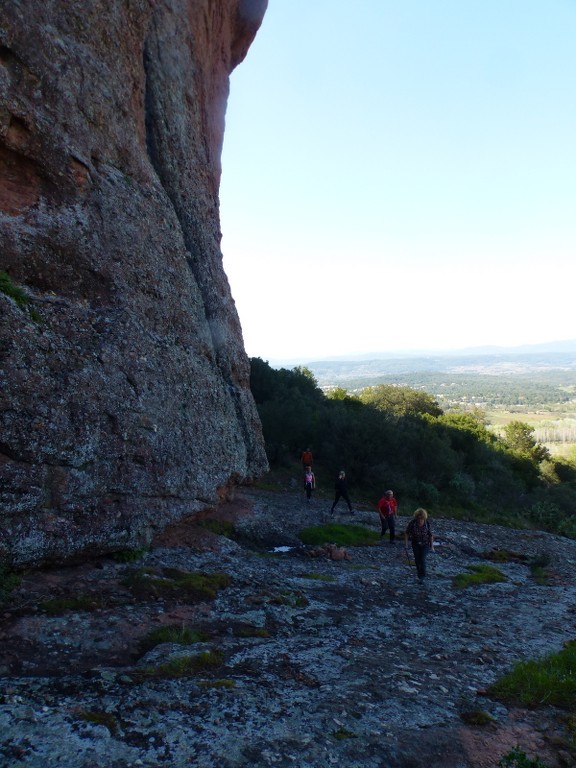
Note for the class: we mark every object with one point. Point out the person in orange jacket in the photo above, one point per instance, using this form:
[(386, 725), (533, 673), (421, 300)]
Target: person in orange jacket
[(307, 459)]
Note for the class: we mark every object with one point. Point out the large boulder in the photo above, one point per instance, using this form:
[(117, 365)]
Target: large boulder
[(124, 384)]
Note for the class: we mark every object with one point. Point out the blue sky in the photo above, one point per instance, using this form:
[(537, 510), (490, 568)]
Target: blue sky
[(402, 176)]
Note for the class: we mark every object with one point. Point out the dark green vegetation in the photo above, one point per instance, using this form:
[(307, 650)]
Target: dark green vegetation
[(503, 379), (173, 583), (128, 555), (57, 606), (8, 582), (177, 634), (181, 666), (343, 535), (8, 288), (96, 717), (517, 758), (549, 681), (397, 437)]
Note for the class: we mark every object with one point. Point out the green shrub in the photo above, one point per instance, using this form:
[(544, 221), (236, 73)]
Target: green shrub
[(478, 574), (550, 680)]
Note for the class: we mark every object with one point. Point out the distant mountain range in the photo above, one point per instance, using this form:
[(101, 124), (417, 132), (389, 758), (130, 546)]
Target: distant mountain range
[(567, 346), (487, 361), (550, 347)]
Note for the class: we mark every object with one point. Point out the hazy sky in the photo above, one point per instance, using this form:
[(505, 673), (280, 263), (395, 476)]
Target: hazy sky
[(401, 174)]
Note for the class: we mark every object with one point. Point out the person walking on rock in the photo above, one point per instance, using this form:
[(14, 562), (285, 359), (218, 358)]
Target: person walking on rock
[(419, 532), (309, 483), (341, 488), (388, 511)]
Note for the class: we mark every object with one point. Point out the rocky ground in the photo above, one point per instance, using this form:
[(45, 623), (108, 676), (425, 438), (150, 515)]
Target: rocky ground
[(302, 660)]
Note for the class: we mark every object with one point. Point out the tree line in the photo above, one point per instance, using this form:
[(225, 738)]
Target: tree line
[(388, 436)]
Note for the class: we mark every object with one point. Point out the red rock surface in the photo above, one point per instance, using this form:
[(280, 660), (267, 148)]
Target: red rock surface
[(124, 385)]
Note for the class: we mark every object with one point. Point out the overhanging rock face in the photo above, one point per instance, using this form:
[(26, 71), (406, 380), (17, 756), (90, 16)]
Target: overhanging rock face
[(124, 384)]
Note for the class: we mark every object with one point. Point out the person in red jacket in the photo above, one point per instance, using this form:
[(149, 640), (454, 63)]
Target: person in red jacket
[(388, 511)]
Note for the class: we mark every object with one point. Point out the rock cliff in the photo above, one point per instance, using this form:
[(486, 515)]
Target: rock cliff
[(124, 384)]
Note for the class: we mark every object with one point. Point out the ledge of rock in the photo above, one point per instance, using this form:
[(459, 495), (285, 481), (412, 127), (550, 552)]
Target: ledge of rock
[(124, 384)]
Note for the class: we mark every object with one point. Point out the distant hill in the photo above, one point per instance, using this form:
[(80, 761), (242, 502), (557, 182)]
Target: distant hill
[(502, 363), (540, 374), (413, 357)]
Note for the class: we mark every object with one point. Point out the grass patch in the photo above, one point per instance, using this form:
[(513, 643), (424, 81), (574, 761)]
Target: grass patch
[(318, 576), (172, 633), (175, 584), (99, 718), (249, 630), (505, 556), (8, 288), (539, 569), (549, 681), (57, 606), (478, 574), (517, 758), (342, 734), (128, 555), (477, 717), (219, 527), (181, 666), (8, 582), (340, 534), (291, 599)]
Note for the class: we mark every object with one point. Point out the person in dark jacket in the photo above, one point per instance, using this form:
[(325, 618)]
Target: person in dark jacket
[(341, 488)]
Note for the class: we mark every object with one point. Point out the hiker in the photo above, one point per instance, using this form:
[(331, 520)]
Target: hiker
[(341, 487), (420, 534), (309, 482), (388, 511), (307, 459)]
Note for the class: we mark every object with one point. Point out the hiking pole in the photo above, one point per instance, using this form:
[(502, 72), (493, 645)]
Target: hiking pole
[(408, 559)]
